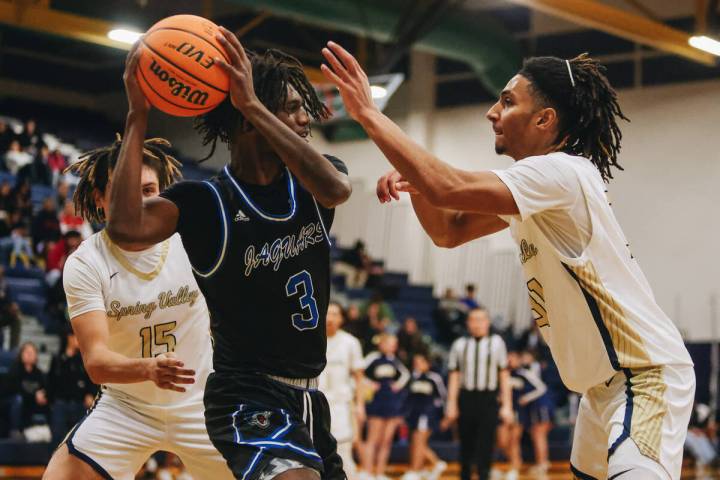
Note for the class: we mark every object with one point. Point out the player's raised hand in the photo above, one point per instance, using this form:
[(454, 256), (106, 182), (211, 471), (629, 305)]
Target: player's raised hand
[(242, 90), (347, 74), (390, 186), (167, 372), (136, 98)]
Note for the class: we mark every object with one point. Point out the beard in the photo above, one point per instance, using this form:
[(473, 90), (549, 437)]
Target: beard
[(500, 149)]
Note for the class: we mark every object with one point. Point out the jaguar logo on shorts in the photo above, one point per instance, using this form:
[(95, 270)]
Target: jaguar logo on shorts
[(260, 419)]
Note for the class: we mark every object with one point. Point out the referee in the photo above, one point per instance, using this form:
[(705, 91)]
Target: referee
[(478, 370)]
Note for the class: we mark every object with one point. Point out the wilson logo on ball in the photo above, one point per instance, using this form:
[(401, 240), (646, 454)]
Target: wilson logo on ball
[(191, 51), (178, 88)]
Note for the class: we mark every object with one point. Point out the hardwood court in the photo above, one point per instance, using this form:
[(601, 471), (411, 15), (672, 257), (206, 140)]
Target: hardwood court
[(558, 471)]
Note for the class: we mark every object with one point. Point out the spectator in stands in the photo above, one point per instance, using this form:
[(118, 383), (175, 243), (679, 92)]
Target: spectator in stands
[(354, 265), (59, 253), (357, 325), (22, 200), (450, 317), (6, 136), (57, 162), (411, 342), (469, 298), (700, 437), (45, 226), (6, 200), (16, 157), (426, 398), (22, 246), (70, 390), (385, 310), (531, 340), (9, 312), (63, 193), (29, 384), (377, 326), (69, 220), (385, 411), (31, 139), (37, 172)]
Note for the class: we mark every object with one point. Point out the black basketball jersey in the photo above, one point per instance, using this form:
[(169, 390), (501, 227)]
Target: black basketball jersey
[(268, 285)]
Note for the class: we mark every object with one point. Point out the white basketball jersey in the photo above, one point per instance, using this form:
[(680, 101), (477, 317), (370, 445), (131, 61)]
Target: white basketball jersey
[(153, 306), (344, 356), (587, 293)]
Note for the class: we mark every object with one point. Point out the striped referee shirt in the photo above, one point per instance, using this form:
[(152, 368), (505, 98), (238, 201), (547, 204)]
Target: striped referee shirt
[(479, 361)]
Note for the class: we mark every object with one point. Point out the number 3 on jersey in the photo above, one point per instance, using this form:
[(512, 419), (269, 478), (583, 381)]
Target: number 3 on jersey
[(537, 302), (307, 301)]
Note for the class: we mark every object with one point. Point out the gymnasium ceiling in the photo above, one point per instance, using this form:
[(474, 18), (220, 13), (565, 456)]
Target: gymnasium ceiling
[(505, 30)]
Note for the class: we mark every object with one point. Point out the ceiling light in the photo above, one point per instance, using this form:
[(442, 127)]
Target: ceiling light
[(124, 36), (378, 91), (704, 43)]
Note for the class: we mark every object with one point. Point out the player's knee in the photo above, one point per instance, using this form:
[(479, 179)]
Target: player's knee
[(299, 474)]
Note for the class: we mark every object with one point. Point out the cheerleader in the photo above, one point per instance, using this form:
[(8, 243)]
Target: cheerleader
[(527, 387), (388, 378), (540, 415), (424, 405)]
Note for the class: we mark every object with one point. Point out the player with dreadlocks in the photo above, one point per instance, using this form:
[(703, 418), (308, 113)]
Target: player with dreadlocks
[(256, 235), (558, 119), (142, 325)]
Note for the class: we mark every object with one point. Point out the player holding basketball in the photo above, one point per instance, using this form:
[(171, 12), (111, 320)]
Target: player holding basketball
[(256, 236), (611, 341), (134, 307)]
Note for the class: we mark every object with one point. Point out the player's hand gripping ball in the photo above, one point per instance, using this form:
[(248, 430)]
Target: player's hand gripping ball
[(177, 72)]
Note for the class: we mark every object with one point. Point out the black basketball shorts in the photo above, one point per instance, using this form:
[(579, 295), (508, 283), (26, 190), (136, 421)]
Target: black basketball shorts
[(258, 423)]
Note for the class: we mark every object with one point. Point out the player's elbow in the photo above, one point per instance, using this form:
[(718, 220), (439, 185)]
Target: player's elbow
[(445, 241), (95, 370), (338, 193)]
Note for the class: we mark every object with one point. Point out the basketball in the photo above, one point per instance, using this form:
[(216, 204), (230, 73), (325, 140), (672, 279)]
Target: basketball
[(177, 71)]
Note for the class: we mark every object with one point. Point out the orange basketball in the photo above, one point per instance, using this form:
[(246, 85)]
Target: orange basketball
[(177, 71)]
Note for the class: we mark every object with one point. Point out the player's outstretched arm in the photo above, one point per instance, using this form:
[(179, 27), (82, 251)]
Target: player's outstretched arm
[(446, 227), (105, 366), (442, 185), (132, 222), (329, 186)]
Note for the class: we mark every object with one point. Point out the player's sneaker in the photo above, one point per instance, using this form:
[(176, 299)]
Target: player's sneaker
[(511, 475)]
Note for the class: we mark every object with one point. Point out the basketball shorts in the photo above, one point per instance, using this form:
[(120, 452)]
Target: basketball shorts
[(118, 434), (264, 426), (637, 420)]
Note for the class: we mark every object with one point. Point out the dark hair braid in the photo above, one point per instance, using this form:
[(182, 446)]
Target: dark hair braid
[(273, 72), (94, 167), (588, 111)]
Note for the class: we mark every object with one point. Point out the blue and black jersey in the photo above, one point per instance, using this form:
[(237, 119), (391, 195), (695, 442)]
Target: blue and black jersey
[(261, 256)]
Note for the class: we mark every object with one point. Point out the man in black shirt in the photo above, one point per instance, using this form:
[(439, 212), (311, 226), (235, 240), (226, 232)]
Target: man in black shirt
[(70, 390), (256, 235)]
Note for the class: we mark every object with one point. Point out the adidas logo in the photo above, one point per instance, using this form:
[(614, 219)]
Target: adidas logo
[(241, 217)]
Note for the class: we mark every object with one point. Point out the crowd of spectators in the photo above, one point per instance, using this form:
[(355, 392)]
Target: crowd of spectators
[(43, 406)]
